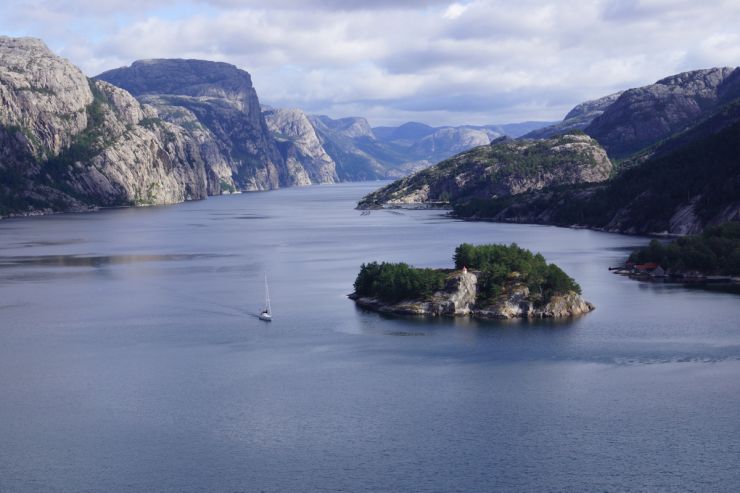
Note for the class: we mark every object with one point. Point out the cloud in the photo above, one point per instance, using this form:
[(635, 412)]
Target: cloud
[(335, 5), (441, 62), (455, 10)]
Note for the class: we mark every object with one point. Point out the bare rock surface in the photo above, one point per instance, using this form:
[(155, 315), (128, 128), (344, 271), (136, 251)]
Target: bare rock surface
[(70, 143), (458, 298), (218, 105), (643, 116), (300, 145)]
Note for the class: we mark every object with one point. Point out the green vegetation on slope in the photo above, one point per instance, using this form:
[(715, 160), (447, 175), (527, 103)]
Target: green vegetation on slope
[(705, 173), (500, 168), (715, 251), (88, 143), (499, 264), (57, 171)]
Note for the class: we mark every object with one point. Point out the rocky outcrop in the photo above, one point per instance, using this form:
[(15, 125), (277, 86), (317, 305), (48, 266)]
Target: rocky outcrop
[(458, 298), (517, 304), (300, 145), (505, 167), (217, 103), (578, 118), (643, 116), (73, 144)]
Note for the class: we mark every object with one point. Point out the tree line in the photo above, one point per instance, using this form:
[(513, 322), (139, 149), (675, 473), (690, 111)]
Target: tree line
[(715, 251), (495, 265)]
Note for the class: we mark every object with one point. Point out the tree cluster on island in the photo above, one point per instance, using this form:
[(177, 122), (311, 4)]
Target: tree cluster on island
[(495, 265), (498, 264)]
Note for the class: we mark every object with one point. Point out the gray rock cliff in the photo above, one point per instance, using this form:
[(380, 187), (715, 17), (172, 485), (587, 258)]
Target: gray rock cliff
[(218, 104), (643, 116), (300, 145), (69, 143)]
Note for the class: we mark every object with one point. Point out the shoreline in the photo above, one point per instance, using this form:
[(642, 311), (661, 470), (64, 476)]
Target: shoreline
[(446, 207)]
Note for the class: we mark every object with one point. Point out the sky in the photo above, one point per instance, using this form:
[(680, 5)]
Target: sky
[(439, 62)]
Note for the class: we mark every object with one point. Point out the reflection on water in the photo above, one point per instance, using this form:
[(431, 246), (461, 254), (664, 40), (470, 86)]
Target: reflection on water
[(94, 261), (131, 359)]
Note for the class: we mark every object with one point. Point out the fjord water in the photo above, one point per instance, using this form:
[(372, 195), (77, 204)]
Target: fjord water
[(132, 359)]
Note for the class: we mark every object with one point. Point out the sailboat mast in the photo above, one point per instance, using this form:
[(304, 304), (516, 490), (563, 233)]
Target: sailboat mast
[(267, 296)]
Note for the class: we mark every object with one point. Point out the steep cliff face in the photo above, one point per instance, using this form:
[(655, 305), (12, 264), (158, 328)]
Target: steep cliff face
[(505, 167), (218, 103), (147, 161), (643, 116), (300, 145), (578, 118), (73, 144), (42, 95)]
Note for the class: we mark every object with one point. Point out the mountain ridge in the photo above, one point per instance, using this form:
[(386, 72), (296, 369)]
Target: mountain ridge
[(644, 199), (223, 109), (73, 143), (504, 167)]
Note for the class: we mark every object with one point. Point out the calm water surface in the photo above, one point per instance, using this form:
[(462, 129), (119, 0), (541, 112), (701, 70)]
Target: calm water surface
[(131, 359)]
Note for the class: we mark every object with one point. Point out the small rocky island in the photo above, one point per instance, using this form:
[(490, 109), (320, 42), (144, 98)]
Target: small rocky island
[(489, 281)]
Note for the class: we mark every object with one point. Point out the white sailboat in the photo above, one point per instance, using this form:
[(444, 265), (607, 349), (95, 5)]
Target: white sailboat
[(266, 313)]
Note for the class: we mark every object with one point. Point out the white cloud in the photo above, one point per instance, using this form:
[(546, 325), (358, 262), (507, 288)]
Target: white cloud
[(454, 11), (440, 62)]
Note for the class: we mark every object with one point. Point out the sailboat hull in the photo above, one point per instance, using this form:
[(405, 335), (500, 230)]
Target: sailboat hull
[(266, 317)]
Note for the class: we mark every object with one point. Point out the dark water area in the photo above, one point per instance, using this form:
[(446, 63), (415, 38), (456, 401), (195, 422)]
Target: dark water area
[(132, 359)]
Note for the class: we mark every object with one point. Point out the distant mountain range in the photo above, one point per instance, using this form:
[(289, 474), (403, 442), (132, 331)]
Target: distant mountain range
[(658, 158), (163, 131), (674, 146), (361, 152), (312, 148)]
